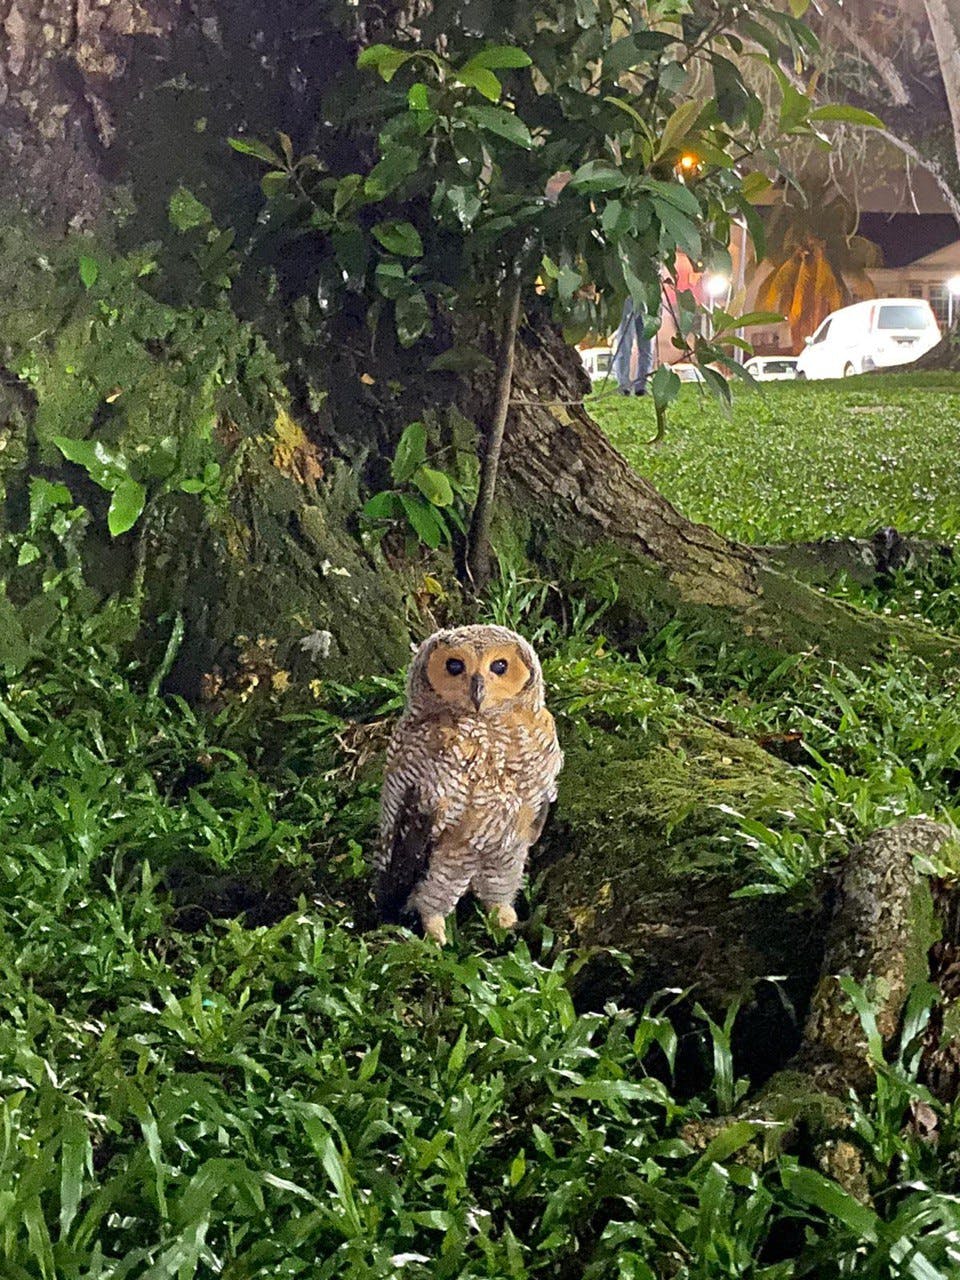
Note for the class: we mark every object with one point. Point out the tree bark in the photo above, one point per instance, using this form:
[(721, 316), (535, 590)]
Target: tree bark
[(894, 928), (566, 489), (95, 92), (944, 18), (58, 59)]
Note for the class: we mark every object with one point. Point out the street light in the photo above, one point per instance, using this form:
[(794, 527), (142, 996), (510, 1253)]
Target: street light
[(715, 287), (953, 289)]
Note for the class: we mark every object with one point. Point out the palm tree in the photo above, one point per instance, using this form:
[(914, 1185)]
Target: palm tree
[(813, 257)]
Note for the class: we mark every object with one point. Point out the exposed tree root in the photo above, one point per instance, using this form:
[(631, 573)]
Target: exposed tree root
[(896, 923)]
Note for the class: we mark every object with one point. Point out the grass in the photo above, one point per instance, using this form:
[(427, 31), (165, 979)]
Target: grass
[(793, 462), (183, 1094), (302, 1098)]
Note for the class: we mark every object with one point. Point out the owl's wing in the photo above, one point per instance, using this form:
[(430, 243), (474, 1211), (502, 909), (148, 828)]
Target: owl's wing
[(552, 762), (410, 815), (405, 845)]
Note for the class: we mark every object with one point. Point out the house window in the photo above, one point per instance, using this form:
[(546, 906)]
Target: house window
[(915, 290), (940, 301)]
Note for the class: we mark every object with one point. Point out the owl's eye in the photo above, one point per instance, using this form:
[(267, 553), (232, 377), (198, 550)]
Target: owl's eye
[(499, 668), (455, 667)]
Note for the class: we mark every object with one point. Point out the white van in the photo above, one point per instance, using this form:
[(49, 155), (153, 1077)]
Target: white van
[(878, 334), (596, 361)]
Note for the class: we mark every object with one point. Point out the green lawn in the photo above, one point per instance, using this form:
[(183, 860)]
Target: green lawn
[(797, 461)]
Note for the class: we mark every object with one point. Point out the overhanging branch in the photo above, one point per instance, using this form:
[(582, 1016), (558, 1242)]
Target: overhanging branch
[(883, 65)]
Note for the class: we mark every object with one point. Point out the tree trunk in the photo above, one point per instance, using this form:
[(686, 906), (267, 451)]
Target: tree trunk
[(58, 59), (95, 93), (567, 489), (944, 18)]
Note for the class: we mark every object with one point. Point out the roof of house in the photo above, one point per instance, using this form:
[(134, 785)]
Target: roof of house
[(905, 238)]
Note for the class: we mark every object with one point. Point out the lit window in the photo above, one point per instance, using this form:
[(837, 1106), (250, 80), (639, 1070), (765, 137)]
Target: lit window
[(940, 301)]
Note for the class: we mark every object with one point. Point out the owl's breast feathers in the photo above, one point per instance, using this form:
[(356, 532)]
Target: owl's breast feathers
[(482, 783)]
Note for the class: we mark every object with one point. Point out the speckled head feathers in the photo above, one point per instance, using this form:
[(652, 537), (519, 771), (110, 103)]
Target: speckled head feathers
[(494, 660)]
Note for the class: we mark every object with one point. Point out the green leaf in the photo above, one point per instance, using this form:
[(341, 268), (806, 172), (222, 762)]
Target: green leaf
[(597, 176), (411, 452), (386, 60), (465, 203), (749, 319), (127, 503), (716, 383), (396, 165), (89, 270), (795, 107), (29, 551), (383, 506), (676, 193), (500, 56), (678, 228), (351, 248), (391, 279), (46, 496), (76, 1154), (401, 238), (458, 1055), (630, 51), (506, 124), (424, 520), (814, 1189), (434, 485), (185, 211), (8, 714), (679, 125), (103, 467), (347, 188), (418, 97), (568, 282), (481, 79), (754, 185), (412, 316), (732, 95), (847, 115), (254, 147), (665, 386), (274, 183), (799, 7)]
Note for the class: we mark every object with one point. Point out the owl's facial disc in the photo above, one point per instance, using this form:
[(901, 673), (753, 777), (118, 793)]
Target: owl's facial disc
[(468, 680)]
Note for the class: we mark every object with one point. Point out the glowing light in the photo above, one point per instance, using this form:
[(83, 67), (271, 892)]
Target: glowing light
[(716, 286), (688, 161), (953, 284)]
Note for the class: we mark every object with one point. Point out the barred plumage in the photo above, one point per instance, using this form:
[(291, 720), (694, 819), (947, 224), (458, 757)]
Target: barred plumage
[(471, 772)]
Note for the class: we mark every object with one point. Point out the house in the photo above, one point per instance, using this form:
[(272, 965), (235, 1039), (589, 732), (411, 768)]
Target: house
[(921, 253)]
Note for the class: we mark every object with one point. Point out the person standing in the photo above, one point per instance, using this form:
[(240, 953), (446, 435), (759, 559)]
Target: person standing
[(632, 353)]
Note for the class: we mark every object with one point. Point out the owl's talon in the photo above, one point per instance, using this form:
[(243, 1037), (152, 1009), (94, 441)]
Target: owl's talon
[(435, 928), (504, 915)]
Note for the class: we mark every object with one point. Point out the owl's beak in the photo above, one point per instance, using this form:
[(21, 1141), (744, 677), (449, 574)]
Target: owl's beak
[(477, 691)]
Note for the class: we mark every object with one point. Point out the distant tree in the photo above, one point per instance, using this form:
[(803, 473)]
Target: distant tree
[(813, 257), (901, 60)]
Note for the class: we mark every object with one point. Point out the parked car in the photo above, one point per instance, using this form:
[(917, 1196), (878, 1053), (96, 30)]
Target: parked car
[(772, 368), (596, 361), (879, 334)]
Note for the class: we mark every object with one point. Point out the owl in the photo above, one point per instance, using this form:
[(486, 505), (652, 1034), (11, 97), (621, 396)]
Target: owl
[(471, 772)]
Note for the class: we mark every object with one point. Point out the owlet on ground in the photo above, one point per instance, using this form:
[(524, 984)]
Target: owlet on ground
[(471, 773)]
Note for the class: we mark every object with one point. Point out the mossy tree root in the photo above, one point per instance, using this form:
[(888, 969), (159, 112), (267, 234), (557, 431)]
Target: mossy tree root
[(893, 927), (566, 489)]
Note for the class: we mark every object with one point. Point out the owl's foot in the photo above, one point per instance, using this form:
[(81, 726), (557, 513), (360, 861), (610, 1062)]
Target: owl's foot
[(435, 928), (504, 915)]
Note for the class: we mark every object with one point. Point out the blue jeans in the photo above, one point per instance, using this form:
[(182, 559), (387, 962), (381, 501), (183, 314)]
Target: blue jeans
[(632, 353)]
